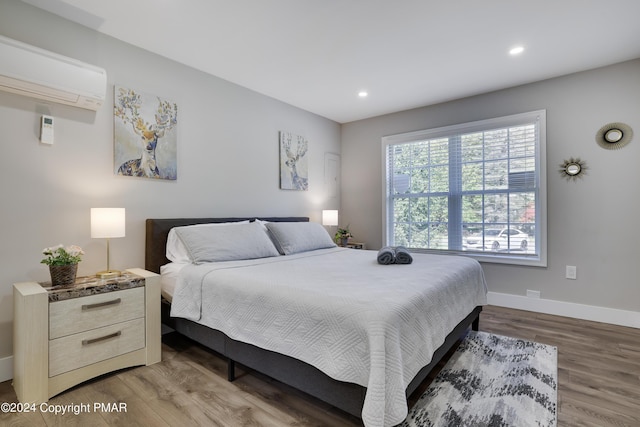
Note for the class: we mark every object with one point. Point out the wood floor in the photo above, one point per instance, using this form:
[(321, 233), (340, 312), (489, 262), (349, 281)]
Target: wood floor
[(598, 375)]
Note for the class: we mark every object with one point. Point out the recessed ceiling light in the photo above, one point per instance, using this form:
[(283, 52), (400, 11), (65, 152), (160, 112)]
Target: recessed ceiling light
[(363, 94), (516, 50)]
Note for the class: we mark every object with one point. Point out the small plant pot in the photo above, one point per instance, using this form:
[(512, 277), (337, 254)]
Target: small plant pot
[(63, 275)]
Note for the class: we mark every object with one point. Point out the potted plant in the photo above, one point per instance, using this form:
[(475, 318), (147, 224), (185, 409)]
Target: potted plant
[(342, 236), (63, 263)]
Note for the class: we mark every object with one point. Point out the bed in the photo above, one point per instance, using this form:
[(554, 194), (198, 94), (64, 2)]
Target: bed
[(329, 321)]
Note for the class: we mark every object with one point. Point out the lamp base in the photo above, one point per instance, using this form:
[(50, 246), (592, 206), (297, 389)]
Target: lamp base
[(108, 274)]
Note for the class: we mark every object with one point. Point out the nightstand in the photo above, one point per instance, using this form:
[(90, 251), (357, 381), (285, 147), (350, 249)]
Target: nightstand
[(64, 336), (356, 245)]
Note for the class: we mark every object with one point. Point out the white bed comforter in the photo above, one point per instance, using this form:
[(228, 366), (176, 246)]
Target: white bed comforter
[(340, 311)]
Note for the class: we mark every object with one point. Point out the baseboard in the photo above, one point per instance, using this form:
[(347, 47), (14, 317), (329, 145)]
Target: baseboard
[(568, 309), (6, 368)]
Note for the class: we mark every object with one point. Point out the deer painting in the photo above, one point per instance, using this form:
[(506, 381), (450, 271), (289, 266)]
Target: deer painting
[(292, 160), (128, 108)]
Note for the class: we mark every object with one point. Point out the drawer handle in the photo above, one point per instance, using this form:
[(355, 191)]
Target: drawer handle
[(106, 337), (101, 304)]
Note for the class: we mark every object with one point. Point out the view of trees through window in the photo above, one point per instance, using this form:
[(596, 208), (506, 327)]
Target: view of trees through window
[(472, 191)]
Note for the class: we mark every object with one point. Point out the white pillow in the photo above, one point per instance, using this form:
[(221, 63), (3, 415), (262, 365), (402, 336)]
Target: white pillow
[(294, 237), (176, 252), (234, 242)]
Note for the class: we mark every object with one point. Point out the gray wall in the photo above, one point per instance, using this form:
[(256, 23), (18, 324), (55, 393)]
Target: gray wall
[(228, 158), (592, 223)]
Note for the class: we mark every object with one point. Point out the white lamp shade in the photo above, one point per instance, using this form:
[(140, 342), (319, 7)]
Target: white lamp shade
[(107, 222), (329, 217)]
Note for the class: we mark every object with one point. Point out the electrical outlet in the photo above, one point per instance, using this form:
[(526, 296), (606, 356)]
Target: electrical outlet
[(572, 272), (533, 294)]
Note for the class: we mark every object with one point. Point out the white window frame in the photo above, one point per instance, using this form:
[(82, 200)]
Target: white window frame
[(539, 116)]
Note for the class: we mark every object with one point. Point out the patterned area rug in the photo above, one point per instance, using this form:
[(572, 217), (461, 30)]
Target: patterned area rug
[(492, 380)]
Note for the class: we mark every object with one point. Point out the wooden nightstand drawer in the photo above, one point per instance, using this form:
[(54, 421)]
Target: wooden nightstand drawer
[(83, 314), (58, 345), (78, 350)]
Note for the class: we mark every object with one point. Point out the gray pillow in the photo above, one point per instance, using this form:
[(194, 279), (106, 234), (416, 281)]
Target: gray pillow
[(176, 252), (294, 237), (226, 243)]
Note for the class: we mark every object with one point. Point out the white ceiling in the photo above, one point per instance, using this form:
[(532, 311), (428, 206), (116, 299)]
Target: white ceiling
[(317, 55)]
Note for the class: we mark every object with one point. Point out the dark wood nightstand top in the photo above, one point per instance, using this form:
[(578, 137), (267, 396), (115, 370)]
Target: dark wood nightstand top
[(92, 285)]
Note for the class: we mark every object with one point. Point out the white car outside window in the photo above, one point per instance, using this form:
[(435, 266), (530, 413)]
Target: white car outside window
[(498, 240)]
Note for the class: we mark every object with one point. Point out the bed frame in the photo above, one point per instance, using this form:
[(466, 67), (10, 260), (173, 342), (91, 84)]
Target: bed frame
[(348, 397)]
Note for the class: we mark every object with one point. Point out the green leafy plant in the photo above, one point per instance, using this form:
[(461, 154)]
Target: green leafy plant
[(343, 233), (60, 255)]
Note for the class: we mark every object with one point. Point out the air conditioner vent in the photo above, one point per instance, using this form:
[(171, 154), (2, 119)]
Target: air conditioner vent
[(37, 73)]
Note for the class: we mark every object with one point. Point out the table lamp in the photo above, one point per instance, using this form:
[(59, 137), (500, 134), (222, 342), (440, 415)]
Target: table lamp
[(107, 223), (330, 217)]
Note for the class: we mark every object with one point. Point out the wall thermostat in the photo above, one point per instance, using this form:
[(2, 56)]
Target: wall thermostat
[(46, 130)]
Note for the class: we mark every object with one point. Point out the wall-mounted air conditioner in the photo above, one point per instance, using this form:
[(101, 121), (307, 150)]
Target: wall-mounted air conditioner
[(31, 71)]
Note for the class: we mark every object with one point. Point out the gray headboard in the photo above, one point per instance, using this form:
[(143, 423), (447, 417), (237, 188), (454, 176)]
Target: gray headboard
[(158, 231)]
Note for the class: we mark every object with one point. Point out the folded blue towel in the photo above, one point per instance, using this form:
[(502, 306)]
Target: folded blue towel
[(386, 255), (402, 255)]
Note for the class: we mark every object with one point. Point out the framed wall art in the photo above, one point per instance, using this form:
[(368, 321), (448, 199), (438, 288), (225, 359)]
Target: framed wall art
[(294, 167), (145, 135)]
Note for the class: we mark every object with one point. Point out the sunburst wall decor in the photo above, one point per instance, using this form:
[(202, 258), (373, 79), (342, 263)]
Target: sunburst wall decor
[(573, 168), (613, 136)]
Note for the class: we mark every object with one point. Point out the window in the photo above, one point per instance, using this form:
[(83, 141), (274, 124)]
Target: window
[(475, 188)]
